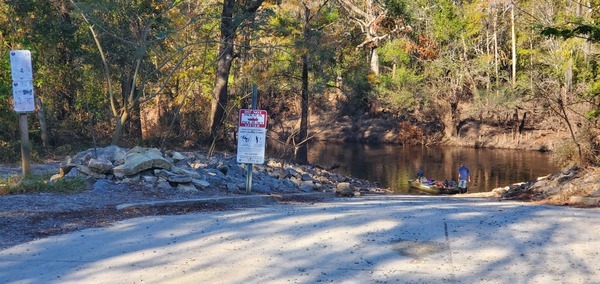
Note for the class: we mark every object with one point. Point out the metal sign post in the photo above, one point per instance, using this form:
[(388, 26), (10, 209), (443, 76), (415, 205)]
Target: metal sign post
[(252, 130), (23, 100)]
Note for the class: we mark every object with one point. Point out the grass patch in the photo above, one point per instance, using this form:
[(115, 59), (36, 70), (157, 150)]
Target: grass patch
[(40, 183)]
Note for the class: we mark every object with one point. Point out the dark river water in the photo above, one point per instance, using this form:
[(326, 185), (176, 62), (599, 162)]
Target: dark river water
[(392, 166)]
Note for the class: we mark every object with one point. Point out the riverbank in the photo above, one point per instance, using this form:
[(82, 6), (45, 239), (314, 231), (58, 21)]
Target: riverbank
[(572, 187), (406, 131), (25, 217)]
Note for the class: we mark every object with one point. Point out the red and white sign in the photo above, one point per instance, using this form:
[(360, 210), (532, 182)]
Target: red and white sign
[(252, 135), (253, 118)]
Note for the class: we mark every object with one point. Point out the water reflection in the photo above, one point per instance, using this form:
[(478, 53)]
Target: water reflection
[(392, 166)]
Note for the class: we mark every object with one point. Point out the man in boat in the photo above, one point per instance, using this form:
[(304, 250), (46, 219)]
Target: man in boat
[(464, 176), (421, 177)]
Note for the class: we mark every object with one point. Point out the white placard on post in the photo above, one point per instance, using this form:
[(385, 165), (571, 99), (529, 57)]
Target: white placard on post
[(252, 133), (23, 99), (20, 65), (22, 81)]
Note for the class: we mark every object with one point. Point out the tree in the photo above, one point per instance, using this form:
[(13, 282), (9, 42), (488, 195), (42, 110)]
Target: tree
[(130, 37), (568, 86), (233, 14), (377, 20)]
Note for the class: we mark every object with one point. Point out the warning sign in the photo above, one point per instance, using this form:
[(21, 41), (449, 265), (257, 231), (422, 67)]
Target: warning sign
[(252, 133), (253, 118)]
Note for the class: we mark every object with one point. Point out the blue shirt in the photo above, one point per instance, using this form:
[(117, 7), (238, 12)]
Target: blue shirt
[(463, 173)]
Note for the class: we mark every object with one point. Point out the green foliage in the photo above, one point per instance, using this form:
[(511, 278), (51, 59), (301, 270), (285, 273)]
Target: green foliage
[(360, 87), (395, 52), (448, 25), (397, 91), (40, 183), (590, 31)]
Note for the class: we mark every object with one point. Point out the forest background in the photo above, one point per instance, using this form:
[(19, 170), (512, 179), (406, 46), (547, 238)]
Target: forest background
[(174, 73)]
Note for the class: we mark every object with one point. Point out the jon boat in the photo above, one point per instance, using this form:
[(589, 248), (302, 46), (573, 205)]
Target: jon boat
[(433, 187)]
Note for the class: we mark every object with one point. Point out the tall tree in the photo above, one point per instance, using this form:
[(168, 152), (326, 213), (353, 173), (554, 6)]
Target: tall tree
[(233, 14)]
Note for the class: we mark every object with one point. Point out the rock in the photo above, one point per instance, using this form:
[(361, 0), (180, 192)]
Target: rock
[(56, 177), (197, 164), (307, 186), (590, 201), (186, 187), (163, 184), (176, 178), (200, 183), (344, 189), (66, 166), (176, 156), (100, 165), (307, 177), (596, 191), (88, 172), (231, 186), (293, 173), (297, 181), (131, 179), (149, 179), (138, 159), (183, 171), (261, 188)]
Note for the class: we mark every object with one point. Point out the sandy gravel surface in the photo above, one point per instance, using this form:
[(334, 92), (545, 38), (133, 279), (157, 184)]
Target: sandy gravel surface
[(384, 239)]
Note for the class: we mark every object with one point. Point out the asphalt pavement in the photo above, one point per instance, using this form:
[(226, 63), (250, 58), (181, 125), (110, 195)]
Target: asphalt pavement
[(382, 239)]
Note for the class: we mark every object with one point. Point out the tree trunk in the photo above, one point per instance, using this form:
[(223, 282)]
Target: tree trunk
[(43, 122), (514, 45), (302, 152), (374, 61), (118, 133), (496, 55), (229, 24)]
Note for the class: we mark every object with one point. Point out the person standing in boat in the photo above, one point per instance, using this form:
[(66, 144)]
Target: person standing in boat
[(464, 176), (421, 177)]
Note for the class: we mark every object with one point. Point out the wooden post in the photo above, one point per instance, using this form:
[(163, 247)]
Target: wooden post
[(25, 146)]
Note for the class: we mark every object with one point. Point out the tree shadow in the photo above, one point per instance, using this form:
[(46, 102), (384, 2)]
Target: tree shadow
[(382, 239)]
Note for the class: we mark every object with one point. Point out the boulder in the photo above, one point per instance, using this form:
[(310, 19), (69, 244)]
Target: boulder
[(88, 172), (344, 189), (140, 159), (100, 165)]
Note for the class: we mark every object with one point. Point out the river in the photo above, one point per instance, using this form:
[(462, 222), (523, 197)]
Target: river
[(392, 166)]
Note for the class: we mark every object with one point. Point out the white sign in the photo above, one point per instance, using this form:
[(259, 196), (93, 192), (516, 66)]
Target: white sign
[(20, 65), (23, 96), (22, 77), (252, 134), (251, 145)]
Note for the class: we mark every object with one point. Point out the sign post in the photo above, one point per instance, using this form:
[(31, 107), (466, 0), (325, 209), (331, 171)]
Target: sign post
[(23, 100), (252, 133)]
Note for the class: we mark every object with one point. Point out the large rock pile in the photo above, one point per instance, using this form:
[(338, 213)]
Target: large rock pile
[(153, 168), (573, 186)]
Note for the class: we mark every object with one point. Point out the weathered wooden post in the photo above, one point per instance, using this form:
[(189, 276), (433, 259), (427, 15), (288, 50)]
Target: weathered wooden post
[(23, 100)]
